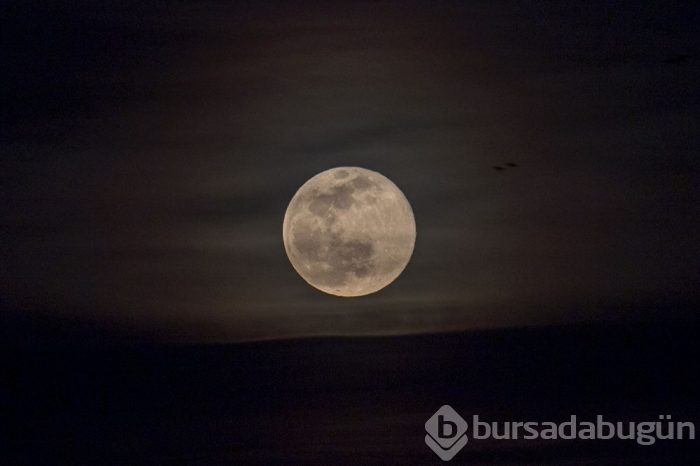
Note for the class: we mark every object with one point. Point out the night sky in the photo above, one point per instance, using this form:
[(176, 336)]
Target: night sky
[(148, 153)]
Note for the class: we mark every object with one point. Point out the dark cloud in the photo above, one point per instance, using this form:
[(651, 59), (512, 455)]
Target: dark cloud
[(149, 152)]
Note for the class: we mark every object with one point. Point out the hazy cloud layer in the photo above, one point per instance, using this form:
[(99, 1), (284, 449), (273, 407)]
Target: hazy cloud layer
[(149, 153)]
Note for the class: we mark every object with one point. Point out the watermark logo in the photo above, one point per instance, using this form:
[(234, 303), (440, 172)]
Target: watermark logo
[(447, 430), (447, 433)]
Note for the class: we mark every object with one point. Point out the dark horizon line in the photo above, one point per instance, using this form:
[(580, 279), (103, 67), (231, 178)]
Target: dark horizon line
[(109, 339)]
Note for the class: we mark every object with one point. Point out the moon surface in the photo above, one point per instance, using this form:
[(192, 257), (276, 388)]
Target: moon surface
[(349, 231)]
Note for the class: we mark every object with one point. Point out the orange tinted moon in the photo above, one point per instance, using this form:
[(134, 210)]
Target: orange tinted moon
[(349, 231)]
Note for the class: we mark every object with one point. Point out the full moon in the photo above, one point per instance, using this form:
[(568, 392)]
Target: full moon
[(349, 231)]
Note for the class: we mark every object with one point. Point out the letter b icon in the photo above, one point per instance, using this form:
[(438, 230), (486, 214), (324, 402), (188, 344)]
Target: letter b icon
[(442, 432), (446, 432)]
